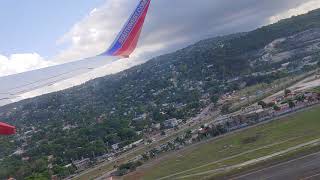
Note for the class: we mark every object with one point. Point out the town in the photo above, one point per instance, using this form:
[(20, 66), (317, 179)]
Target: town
[(287, 103)]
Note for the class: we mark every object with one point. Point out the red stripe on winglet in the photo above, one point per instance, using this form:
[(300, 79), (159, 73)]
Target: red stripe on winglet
[(132, 41)]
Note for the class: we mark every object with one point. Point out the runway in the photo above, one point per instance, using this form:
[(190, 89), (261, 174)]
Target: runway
[(302, 168)]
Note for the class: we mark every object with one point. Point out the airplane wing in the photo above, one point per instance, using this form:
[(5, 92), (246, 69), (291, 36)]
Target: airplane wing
[(124, 44), (16, 84)]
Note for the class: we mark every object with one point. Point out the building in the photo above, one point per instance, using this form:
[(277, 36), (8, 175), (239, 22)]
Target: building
[(171, 123), (68, 166), (156, 126), (50, 158), (137, 142), (81, 164), (142, 117), (132, 145), (104, 157), (25, 158), (18, 152), (127, 147), (115, 146)]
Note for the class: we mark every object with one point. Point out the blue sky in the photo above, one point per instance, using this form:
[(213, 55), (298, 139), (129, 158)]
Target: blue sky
[(35, 25)]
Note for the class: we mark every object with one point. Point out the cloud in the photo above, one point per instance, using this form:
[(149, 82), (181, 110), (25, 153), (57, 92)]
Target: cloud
[(95, 32), (301, 9), (17, 63), (172, 24)]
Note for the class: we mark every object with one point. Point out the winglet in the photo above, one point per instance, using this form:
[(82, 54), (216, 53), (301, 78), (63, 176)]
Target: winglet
[(6, 129), (127, 39)]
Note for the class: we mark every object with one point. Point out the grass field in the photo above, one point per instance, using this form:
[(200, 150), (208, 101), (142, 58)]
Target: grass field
[(239, 147), (317, 89)]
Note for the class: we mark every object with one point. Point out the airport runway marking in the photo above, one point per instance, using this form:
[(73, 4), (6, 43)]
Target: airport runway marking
[(277, 165), (255, 161), (310, 177), (231, 157)]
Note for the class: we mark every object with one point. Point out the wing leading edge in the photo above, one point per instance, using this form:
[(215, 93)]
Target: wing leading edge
[(14, 85)]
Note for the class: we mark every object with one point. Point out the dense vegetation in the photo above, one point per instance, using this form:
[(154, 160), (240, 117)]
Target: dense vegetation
[(86, 120)]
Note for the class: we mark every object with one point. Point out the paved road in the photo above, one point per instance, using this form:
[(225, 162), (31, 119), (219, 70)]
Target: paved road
[(303, 168)]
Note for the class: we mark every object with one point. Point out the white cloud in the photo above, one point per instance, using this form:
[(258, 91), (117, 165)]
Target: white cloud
[(17, 63), (166, 29), (301, 9), (95, 32)]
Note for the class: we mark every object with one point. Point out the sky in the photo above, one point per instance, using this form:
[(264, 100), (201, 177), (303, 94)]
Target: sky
[(36, 34)]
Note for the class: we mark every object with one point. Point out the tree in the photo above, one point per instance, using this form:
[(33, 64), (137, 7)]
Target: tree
[(214, 99), (61, 171), (188, 134), (271, 104), (127, 134), (145, 157), (287, 92), (38, 176), (179, 140), (276, 108), (225, 109), (300, 98), (221, 129), (163, 133), (262, 104), (213, 131), (291, 104), (39, 165)]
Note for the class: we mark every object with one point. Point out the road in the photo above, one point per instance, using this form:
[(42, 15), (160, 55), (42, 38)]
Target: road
[(302, 168)]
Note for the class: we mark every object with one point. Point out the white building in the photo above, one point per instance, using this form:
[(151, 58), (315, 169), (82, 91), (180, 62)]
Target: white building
[(171, 123), (115, 146)]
